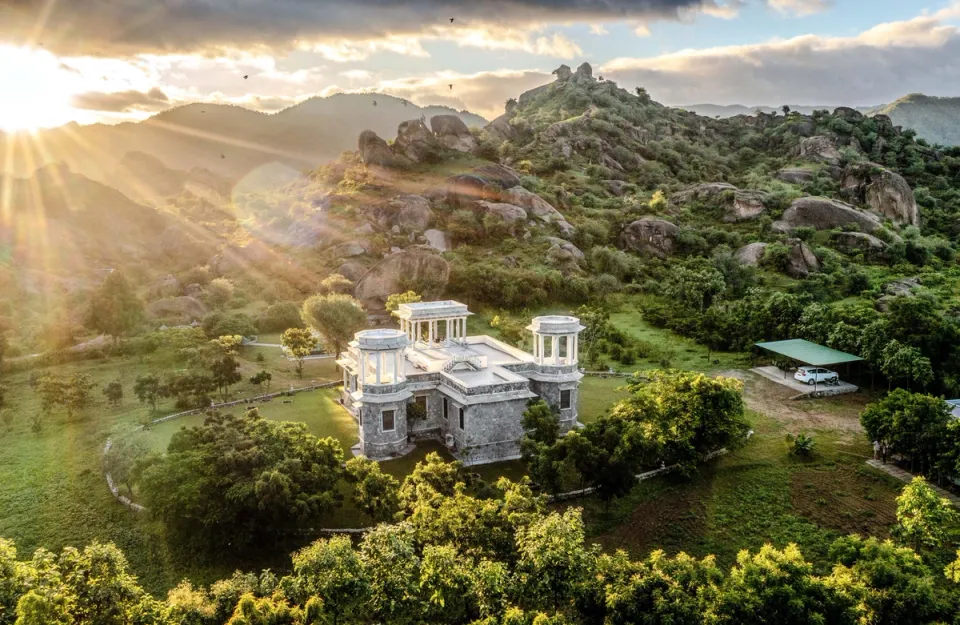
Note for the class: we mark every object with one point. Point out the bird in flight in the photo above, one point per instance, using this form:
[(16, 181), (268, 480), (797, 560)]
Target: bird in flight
[(222, 156), (374, 102), (451, 87), (451, 19), (245, 76)]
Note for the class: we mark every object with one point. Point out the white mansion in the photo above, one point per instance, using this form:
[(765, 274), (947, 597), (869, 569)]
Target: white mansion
[(473, 390)]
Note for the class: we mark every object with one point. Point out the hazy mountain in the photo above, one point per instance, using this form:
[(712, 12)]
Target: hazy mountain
[(724, 111), (935, 119), (225, 141)]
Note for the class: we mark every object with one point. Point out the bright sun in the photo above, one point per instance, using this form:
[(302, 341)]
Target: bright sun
[(35, 90)]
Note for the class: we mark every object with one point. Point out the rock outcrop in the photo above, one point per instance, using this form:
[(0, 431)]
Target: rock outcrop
[(751, 254), (584, 73), (740, 205), (857, 241), (884, 191), (411, 213), (563, 72), (349, 249), (166, 286), (375, 151), (649, 235), (498, 175), (795, 175), (509, 214), (825, 214), (801, 261), (452, 133), (416, 142), (821, 149), (564, 250), (438, 240), (537, 207), (352, 270), (417, 265), (500, 129)]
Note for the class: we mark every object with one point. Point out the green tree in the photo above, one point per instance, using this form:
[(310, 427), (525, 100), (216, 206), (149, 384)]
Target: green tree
[(331, 568), (260, 378), (120, 460), (225, 372), (336, 317), (912, 425), (279, 316), (237, 481), (113, 391), (374, 492), (923, 517), (149, 390), (391, 565), (115, 308), (904, 363), (695, 287), (336, 283), (219, 292), (299, 343), (553, 560), (394, 300), (219, 323)]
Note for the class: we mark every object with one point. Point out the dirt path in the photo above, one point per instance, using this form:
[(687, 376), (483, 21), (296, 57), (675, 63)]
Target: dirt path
[(841, 412)]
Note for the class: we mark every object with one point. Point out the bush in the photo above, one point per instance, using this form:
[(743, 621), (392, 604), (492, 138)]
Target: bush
[(801, 445), (279, 317)]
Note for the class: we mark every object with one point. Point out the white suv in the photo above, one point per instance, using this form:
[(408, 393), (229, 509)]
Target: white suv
[(816, 375)]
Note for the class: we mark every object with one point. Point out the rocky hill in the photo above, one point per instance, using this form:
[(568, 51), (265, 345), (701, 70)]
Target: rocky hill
[(228, 141), (935, 119), (731, 110)]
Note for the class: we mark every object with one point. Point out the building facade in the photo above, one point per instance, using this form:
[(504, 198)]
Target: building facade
[(470, 391)]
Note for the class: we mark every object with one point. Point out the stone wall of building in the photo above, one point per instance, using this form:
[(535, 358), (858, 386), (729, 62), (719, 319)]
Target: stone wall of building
[(491, 432), (550, 393), (374, 441)]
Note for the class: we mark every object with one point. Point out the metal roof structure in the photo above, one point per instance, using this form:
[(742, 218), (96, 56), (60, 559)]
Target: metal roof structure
[(809, 353)]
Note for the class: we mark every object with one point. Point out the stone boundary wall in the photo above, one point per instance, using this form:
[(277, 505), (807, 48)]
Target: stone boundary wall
[(123, 499)]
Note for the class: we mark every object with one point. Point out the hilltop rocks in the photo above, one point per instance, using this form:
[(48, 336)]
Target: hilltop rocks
[(821, 149), (751, 254), (483, 183), (418, 264), (563, 72), (801, 261), (825, 214), (848, 113), (584, 73), (416, 142), (537, 206), (857, 241), (739, 204), (375, 151), (649, 235), (452, 133), (181, 310), (884, 191), (411, 213), (498, 175), (501, 129), (795, 175)]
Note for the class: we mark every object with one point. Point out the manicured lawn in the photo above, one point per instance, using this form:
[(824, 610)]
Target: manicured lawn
[(597, 395)]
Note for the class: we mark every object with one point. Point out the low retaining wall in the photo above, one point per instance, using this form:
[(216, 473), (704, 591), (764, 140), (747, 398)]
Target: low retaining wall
[(106, 448)]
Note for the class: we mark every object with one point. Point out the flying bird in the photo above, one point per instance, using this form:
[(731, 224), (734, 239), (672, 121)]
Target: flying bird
[(374, 102), (451, 87), (245, 76), (222, 156), (451, 19)]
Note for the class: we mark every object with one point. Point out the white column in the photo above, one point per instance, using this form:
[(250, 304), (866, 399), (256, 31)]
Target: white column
[(418, 331), (576, 349), (554, 349), (540, 347), (379, 361), (362, 374), (396, 366)]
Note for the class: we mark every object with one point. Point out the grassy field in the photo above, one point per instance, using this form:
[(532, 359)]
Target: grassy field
[(754, 495)]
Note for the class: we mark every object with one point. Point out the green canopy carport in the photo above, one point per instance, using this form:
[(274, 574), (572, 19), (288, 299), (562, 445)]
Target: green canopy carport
[(808, 353)]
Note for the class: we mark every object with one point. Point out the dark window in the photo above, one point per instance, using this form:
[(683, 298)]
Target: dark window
[(422, 400), (446, 409), (564, 400), (387, 420), (461, 418)]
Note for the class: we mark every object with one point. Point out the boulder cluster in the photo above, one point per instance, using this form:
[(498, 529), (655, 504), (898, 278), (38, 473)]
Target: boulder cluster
[(416, 143)]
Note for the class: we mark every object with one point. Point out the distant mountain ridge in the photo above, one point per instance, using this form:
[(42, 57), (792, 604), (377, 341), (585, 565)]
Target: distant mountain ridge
[(936, 119), (226, 141)]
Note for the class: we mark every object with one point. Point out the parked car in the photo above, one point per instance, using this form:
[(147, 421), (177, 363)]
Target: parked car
[(816, 375)]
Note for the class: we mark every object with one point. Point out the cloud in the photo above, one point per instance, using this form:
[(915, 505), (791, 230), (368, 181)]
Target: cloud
[(121, 101), (123, 27), (878, 65), (799, 7)]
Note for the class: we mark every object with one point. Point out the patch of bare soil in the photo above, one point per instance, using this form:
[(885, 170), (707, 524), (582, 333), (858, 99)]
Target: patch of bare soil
[(841, 412), (841, 498)]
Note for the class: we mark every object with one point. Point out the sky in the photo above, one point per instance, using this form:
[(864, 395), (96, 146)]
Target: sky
[(108, 61)]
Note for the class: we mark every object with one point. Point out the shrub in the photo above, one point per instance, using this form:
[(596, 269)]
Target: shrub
[(801, 445)]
